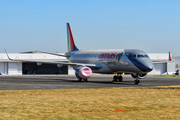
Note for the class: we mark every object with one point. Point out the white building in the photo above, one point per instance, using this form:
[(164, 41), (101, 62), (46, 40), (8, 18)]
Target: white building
[(177, 59), (7, 67), (161, 63)]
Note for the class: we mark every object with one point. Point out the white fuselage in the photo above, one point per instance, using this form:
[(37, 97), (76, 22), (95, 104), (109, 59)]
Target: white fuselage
[(108, 61)]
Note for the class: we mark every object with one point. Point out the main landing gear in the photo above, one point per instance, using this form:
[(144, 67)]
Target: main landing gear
[(117, 78), (82, 80)]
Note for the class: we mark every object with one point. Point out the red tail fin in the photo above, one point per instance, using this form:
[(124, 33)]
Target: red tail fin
[(170, 59), (70, 40)]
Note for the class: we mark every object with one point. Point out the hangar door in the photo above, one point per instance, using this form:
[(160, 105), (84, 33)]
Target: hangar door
[(3, 68), (159, 68), (33, 68)]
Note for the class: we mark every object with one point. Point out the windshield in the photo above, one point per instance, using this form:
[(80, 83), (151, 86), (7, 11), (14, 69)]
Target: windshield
[(139, 56)]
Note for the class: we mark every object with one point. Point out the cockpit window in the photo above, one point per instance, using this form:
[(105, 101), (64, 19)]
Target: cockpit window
[(134, 56), (140, 56), (146, 56)]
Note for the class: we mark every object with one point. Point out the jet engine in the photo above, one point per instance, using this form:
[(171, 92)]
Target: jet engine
[(140, 76), (83, 72)]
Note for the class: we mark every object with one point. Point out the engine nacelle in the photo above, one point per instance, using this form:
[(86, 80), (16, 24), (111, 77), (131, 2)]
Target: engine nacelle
[(83, 72), (140, 76)]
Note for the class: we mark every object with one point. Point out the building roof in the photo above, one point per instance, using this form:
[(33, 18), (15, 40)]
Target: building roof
[(159, 57), (36, 56)]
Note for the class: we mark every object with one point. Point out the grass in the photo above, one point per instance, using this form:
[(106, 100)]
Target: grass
[(167, 75), (81, 104)]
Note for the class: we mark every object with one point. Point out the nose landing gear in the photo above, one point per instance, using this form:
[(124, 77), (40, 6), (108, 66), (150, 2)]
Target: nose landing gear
[(136, 81)]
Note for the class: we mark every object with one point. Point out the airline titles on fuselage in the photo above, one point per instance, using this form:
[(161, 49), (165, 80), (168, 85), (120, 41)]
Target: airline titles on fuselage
[(112, 58), (107, 55)]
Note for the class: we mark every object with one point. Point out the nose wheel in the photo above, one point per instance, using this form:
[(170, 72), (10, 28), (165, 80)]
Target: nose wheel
[(136, 82)]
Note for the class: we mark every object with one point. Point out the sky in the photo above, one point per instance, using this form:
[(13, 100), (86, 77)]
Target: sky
[(149, 25)]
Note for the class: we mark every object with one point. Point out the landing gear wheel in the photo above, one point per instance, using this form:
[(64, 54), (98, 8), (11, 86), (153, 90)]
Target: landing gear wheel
[(120, 78), (115, 79), (79, 79), (136, 82)]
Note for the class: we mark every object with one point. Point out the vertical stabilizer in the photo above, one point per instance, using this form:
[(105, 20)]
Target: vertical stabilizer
[(170, 59), (70, 40)]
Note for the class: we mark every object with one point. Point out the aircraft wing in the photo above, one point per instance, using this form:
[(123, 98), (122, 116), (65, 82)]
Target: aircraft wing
[(57, 54), (61, 62), (92, 66)]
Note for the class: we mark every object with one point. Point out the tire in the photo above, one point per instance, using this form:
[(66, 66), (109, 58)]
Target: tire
[(120, 78), (79, 80), (114, 79), (136, 82)]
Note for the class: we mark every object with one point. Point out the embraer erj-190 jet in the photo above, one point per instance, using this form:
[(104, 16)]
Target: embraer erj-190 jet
[(85, 62)]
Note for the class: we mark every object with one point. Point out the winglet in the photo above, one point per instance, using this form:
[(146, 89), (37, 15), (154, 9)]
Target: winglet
[(7, 55), (70, 40), (170, 59)]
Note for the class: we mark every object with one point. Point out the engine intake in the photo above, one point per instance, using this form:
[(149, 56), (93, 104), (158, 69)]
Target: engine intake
[(83, 72), (140, 76)]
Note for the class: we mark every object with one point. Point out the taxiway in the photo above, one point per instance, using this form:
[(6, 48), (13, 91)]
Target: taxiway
[(67, 82)]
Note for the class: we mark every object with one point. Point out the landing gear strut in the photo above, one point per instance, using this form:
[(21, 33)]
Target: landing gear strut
[(117, 78)]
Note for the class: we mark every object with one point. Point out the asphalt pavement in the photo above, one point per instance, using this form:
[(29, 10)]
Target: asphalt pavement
[(69, 82)]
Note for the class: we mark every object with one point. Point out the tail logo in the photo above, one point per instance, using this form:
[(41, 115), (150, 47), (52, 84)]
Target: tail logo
[(70, 40), (170, 59)]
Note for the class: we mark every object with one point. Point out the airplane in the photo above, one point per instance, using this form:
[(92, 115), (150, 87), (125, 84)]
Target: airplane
[(112, 61), (172, 73)]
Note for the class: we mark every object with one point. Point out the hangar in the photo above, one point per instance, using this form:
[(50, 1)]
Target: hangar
[(160, 60), (8, 67), (177, 59), (162, 63)]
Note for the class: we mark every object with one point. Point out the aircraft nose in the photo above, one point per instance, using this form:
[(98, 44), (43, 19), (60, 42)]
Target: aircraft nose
[(147, 68), (144, 65)]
